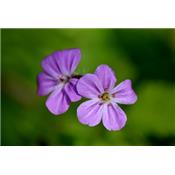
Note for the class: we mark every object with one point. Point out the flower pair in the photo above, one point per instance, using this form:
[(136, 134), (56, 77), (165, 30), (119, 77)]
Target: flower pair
[(58, 80)]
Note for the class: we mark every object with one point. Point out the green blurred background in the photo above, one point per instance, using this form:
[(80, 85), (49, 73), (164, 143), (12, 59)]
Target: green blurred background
[(146, 56)]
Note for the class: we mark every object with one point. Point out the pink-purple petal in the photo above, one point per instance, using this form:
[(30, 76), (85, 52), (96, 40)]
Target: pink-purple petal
[(67, 60), (114, 118), (90, 113), (123, 93), (71, 91), (106, 76), (58, 102), (49, 64), (45, 84), (89, 86)]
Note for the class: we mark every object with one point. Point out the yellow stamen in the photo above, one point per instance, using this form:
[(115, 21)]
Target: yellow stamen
[(105, 96)]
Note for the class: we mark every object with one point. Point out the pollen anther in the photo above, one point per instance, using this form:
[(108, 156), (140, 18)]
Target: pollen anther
[(105, 96)]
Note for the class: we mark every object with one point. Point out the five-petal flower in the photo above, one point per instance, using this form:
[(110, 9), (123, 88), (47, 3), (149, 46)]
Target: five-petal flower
[(58, 80), (102, 106)]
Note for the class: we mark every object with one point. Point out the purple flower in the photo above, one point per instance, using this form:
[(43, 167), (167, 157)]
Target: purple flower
[(102, 106), (58, 80)]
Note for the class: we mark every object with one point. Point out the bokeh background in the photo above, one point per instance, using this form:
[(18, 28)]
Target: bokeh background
[(147, 56)]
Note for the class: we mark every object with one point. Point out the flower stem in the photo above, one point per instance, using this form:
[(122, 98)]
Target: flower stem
[(77, 76)]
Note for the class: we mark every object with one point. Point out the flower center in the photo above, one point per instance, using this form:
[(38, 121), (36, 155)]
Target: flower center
[(64, 79), (105, 96)]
